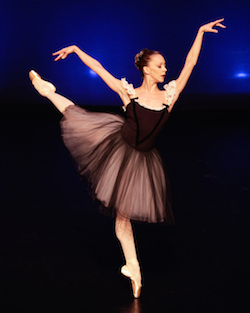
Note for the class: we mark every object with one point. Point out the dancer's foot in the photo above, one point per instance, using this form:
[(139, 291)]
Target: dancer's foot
[(127, 269), (42, 86)]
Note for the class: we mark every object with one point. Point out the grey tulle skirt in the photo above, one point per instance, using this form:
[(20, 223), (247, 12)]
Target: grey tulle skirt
[(122, 178)]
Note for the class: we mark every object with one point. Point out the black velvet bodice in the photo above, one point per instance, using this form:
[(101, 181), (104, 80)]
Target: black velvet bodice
[(142, 125)]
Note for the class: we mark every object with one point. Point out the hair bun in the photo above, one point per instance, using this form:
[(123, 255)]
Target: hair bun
[(142, 58), (137, 60)]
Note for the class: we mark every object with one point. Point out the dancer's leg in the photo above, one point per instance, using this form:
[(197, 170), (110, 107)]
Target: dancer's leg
[(124, 233), (47, 90), (60, 102)]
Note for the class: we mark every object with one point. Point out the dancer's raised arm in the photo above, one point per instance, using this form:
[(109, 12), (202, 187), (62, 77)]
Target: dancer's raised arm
[(193, 54), (114, 83)]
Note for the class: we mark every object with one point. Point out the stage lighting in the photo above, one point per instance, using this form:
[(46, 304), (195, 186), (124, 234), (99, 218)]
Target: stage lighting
[(242, 75), (92, 73)]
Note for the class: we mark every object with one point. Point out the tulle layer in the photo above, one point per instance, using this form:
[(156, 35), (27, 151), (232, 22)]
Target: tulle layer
[(122, 178)]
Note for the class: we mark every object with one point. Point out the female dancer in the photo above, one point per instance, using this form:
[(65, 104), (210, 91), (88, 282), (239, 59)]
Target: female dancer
[(116, 155)]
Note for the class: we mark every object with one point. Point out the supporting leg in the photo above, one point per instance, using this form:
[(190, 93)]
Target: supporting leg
[(124, 233)]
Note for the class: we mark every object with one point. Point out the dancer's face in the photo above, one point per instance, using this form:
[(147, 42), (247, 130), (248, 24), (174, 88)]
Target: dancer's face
[(156, 68)]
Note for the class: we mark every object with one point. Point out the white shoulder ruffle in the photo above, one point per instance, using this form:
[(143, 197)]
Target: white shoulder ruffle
[(170, 91), (129, 87)]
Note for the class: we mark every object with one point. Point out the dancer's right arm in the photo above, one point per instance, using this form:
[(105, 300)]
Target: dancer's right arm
[(114, 83)]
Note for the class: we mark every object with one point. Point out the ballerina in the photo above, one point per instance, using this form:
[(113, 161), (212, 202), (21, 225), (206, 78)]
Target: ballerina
[(117, 154)]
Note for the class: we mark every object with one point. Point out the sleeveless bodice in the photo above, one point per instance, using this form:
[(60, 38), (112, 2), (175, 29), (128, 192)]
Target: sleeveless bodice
[(142, 125)]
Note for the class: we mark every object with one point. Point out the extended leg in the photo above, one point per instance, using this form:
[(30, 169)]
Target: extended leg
[(47, 90), (124, 233), (60, 102)]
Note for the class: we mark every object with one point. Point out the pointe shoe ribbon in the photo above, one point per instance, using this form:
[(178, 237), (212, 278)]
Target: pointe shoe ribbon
[(135, 286), (42, 86)]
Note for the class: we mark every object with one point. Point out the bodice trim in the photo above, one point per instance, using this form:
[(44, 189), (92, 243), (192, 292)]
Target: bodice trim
[(170, 90), (147, 107), (150, 108)]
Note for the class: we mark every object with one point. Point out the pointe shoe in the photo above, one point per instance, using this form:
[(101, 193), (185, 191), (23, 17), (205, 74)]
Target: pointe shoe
[(135, 286), (42, 86)]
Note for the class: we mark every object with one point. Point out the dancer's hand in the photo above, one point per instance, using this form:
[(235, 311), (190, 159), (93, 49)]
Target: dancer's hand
[(209, 27), (63, 53)]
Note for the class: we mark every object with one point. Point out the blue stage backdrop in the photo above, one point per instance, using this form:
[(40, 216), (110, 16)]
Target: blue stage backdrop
[(113, 32)]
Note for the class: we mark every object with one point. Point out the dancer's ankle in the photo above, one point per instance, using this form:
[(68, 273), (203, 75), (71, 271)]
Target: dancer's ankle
[(133, 261), (134, 268)]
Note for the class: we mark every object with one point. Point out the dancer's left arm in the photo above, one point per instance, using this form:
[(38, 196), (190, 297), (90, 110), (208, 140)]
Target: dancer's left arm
[(193, 55)]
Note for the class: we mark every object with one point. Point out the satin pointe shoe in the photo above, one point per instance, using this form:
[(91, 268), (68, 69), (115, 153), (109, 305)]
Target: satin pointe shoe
[(42, 86), (135, 286)]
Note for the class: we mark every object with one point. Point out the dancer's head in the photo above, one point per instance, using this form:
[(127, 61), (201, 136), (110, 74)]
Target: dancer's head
[(151, 62)]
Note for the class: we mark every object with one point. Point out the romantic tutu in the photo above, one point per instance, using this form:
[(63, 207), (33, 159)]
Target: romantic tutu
[(122, 178)]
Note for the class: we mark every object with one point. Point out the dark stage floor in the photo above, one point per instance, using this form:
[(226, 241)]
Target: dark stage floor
[(58, 254)]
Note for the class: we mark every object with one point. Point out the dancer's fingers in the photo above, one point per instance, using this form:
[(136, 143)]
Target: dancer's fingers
[(60, 56), (220, 25), (57, 52)]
